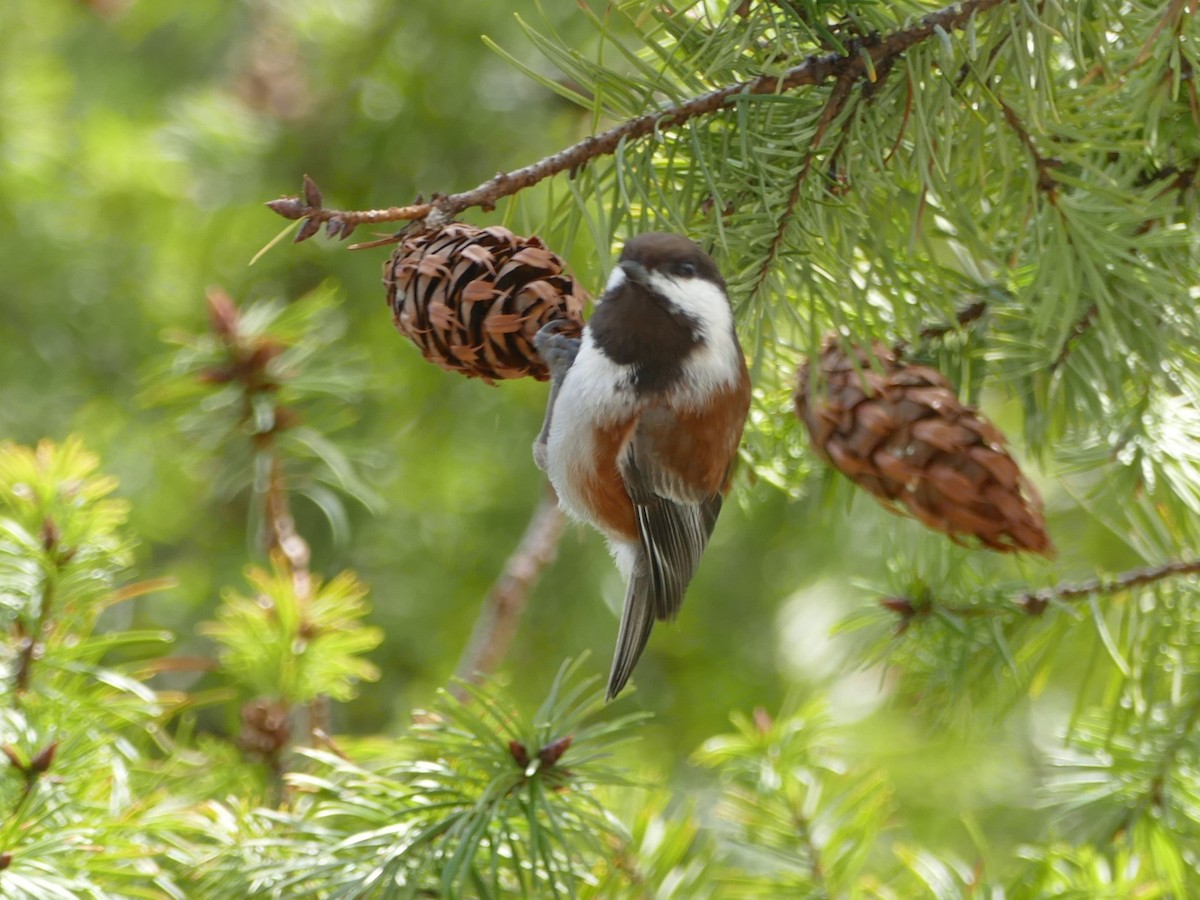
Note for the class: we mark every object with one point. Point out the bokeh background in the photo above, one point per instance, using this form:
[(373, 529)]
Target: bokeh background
[(138, 142)]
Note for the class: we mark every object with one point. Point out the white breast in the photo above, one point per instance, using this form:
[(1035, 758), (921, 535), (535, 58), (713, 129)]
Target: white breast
[(595, 392)]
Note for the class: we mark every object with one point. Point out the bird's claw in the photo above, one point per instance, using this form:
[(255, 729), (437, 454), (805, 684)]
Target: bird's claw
[(557, 350)]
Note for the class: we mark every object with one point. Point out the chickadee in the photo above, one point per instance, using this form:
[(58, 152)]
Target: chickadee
[(645, 415)]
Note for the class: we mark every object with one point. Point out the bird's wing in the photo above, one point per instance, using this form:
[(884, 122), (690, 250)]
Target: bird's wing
[(674, 522)]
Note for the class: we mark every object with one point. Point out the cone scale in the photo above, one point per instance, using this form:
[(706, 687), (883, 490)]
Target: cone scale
[(472, 299), (900, 432)]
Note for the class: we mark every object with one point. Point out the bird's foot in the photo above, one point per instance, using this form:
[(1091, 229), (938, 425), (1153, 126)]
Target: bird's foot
[(558, 352), (556, 349)]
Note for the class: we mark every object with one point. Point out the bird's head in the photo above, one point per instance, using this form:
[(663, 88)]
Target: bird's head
[(652, 259), (664, 304)]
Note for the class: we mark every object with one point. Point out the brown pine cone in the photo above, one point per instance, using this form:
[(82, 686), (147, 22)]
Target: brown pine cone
[(901, 432), (473, 298)]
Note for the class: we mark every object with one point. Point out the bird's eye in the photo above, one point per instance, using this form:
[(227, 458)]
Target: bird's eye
[(686, 269)]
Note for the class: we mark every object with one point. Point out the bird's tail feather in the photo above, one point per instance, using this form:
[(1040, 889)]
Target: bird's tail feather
[(636, 621)]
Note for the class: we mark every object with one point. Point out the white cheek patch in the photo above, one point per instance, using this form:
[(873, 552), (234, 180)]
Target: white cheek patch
[(700, 299), (616, 280), (716, 363)]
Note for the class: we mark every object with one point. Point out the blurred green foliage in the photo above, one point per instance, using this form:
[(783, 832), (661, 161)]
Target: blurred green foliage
[(274, 643), (136, 149), (992, 750)]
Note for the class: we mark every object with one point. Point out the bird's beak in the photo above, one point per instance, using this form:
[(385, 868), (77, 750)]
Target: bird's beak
[(634, 271)]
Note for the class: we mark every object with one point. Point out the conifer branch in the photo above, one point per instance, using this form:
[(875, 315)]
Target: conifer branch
[(248, 365), (964, 317), (812, 853), (833, 108), (505, 602), (1078, 330), (31, 643), (1046, 165), (1034, 603), (281, 528), (284, 539), (1153, 796), (624, 859), (862, 57), (1183, 178), (248, 362)]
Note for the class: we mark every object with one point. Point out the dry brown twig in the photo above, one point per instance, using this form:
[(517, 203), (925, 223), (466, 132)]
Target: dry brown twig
[(30, 644), (861, 60), (833, 108), (1045, 165), (505, 601), (1035, 603), (248, 361)]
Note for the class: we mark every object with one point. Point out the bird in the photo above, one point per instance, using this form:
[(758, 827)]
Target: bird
[(644, 417)]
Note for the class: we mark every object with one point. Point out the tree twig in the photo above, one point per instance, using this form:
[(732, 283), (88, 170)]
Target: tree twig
[(31, 643), (862, 57), (1078, 330), (281, 528), (965, 316), (505, 601), (248, 365), (833, 108), (1034, 603), (282, 537), (1046, 165), (1153, 796), (1182, 180)]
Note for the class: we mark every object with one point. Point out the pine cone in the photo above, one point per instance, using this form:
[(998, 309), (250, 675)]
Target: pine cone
[(900, 432), (473, 298)]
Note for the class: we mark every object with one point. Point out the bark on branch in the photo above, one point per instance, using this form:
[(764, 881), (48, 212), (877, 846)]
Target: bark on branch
[(505, 602), (1034, 603), (863, 58)]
